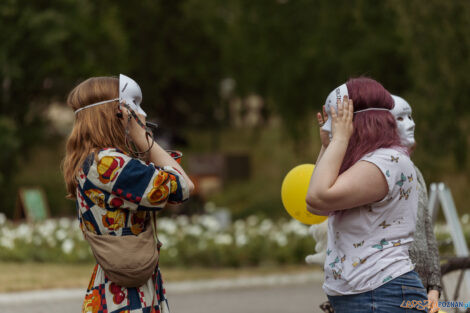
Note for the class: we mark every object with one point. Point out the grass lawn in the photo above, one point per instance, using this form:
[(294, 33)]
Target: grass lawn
[(34, 276)]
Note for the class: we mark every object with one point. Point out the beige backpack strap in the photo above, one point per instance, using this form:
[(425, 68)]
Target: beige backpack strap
[(153, 221), (83, 225)]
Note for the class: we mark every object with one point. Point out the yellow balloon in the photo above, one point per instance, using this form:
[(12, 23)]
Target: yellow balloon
[(293, 192)]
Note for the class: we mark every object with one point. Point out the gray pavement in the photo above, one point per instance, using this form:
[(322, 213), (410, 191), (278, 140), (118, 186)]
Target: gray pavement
[(299, 293), (276, 293), (301, 298)]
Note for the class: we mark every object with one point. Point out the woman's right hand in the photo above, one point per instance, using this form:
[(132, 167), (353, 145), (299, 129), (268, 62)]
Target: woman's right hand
[(136, 131), (324, 135)]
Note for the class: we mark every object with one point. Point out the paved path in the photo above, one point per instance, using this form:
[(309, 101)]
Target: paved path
[(299, 293), (276, 293), (302, 298)]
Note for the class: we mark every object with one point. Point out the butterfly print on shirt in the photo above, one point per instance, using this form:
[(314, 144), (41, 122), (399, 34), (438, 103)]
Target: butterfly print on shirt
[(402, 180), (381, 244), (404, 194), (384, 224), (337, 274), (332, 264), (359, 244)]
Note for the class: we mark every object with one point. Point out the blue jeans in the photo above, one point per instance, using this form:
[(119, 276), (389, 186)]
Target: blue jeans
[(385, 299)]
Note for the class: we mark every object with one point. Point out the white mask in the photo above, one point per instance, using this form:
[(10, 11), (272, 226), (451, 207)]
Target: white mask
[(405, 124), (130, 93), (331, 101)]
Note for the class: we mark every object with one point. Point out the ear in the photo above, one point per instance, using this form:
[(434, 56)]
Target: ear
[(119, 112)]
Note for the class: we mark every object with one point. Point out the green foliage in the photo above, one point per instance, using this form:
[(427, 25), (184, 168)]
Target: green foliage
[(10, 143), (173, 51), (293, 53), (10, 146), (43, 170), (45, 46), (437, 42)]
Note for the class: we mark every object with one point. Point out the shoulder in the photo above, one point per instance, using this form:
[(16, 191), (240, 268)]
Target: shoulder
[(393, 155), (104, 165), (111, 152), (110, 158), (394, 163), (391, 159)]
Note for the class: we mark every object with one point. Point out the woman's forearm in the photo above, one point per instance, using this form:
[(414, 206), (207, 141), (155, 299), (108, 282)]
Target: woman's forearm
[(159, 157), (316, 211), (309, 207), (327, 169), (322, 151)]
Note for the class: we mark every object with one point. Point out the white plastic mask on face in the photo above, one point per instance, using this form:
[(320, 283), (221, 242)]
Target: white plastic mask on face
[(405, 124), (130, 93), (331, 101)]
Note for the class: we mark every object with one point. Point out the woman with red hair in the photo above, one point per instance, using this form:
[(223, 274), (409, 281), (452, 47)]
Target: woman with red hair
[(365, 182)]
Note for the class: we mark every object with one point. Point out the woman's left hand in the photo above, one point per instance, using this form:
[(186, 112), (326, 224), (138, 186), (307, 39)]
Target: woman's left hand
[(342, 125), (324, 135)]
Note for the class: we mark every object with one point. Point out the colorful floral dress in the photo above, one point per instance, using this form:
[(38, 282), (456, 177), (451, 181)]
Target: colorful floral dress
[(115, 195)]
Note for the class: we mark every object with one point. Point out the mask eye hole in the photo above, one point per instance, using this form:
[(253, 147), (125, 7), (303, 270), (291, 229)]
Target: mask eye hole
[(400, 118)]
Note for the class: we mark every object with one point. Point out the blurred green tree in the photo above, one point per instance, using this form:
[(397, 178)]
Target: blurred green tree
[(437, 43), (295, 52), (45, 46), (174, 53)]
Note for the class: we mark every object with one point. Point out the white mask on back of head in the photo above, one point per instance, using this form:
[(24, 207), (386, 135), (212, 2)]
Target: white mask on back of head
[(405, 124)]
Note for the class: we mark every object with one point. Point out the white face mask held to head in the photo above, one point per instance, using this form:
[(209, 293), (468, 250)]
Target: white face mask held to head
[(130, 97), (331, 101), (129, 93)]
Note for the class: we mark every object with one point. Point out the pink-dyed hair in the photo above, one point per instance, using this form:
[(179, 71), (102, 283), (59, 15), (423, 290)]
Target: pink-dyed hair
[(372, 129)]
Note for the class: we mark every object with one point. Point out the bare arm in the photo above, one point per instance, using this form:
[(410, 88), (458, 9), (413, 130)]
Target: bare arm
[(325, 141), (322, 151), (329, 192), (316, 211), (361, 184), (157, 155)]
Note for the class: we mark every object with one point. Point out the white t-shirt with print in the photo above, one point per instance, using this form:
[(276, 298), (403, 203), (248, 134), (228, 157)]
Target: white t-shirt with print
[(368, 245)]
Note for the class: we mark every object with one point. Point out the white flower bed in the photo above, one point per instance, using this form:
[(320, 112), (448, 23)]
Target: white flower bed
[(199, 240)]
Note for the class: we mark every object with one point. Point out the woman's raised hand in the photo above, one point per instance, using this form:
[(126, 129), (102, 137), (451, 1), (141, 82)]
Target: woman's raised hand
[(324, 135), (342, 125), (136, 131)]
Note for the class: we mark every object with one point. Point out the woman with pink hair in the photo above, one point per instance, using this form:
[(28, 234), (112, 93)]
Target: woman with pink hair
[(366, 183)]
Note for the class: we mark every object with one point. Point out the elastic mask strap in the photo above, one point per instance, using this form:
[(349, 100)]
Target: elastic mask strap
[(95, 104), (128, 139), (372, 109)]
